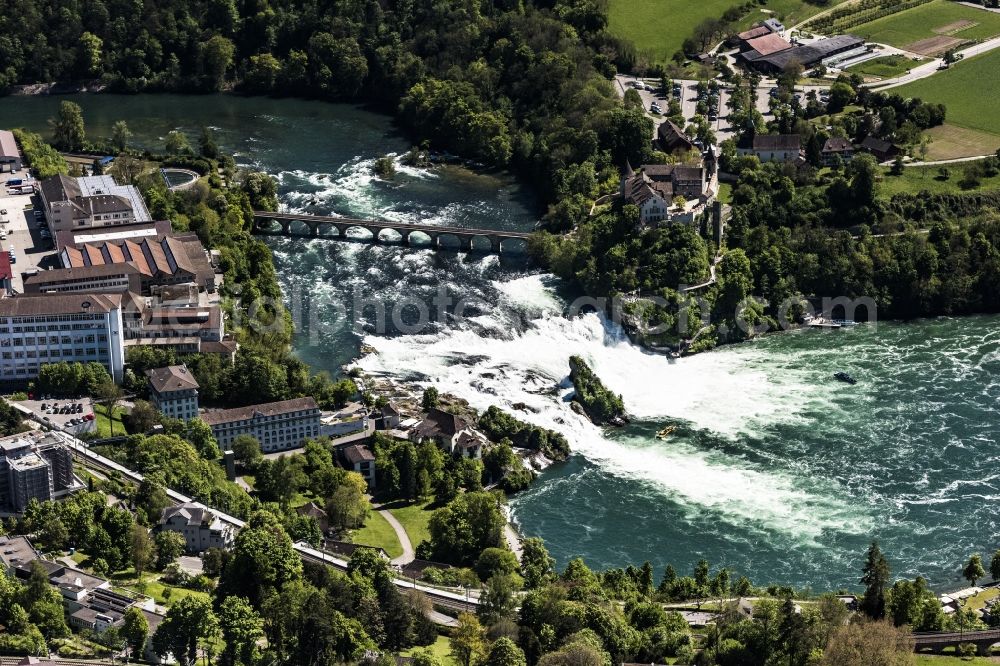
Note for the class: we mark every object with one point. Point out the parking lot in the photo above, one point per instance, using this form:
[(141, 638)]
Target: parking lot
[(75, 415), (23, 231)]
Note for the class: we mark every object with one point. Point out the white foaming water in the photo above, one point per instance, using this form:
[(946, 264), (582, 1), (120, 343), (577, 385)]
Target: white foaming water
[(715, 391)]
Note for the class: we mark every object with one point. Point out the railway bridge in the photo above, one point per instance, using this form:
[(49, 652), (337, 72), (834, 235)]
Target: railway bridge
[(937, 641), (321, 226)]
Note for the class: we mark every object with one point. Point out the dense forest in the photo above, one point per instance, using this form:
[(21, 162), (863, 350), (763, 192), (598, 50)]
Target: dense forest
[(518, 84)]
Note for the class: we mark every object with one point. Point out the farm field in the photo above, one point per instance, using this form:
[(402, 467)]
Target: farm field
[(969, 89), (885, 67), (931, 28), (659, 27)]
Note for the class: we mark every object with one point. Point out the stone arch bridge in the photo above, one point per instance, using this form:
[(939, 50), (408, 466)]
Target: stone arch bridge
[(938, 641), (320, 226)]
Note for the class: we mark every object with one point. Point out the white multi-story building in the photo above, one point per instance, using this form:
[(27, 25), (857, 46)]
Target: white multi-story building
[(276, 425), (36, 330), (173, 390)]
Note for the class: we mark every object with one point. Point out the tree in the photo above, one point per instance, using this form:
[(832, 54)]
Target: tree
[(169, 546), (120, 135), (973, 570), (135, 631), (875, 578), (68, 131), (215, 57), (142, 418), (143, 550), (246, 450), (177, 143), (536, 563), (468, 640), (348, 508), (261, 189), (497, 601), (869, 644), (109, 395), (504, 652), (841, 94), (200, 435), (495, 561), (262, 558), (241, 628), (126, 169), (188, 622), (464, 528), (429, 400), (995, 566), (90, 54), (207, 147)]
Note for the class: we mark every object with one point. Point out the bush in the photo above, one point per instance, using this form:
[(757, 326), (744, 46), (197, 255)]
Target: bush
[(42, 157)]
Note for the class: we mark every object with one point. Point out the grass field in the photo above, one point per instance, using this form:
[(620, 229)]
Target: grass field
[(951, 660), (917, 179), (969, 89), (378, 532), (927, 21), (414, 519), (885, 67), (441, 649), (104, 423), (659, 27)]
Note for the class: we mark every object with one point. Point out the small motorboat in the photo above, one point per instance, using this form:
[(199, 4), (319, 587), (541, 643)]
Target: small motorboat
[(665, 432), (844, 377)]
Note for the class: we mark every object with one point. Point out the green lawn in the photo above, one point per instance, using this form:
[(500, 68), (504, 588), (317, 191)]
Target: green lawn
[(104, 424), (886, 67), (441, 649), (951, 660), (917, 179), (378, 532), (938, 17), (156, 589), (969, 89), (414, 519)]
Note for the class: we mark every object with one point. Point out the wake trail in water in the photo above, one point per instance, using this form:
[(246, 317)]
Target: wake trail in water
[(495, 361)]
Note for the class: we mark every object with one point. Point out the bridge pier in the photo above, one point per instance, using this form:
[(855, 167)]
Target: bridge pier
[(264, 221)]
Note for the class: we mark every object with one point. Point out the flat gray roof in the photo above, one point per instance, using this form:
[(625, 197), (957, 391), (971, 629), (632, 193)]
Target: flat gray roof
[(96, 185), (8, 146)]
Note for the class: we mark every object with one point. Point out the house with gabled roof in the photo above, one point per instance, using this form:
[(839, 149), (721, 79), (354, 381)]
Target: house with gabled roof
[(200, 527), (452, 433)]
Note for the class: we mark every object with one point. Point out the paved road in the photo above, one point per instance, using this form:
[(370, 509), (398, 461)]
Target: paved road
[(930, 68), (404, 538), (957, 160)]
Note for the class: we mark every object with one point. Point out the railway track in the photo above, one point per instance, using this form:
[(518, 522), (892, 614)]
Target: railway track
[(454, 601)]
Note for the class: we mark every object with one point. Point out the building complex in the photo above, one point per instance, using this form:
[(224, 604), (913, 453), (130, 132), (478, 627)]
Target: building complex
[(278, 426)]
